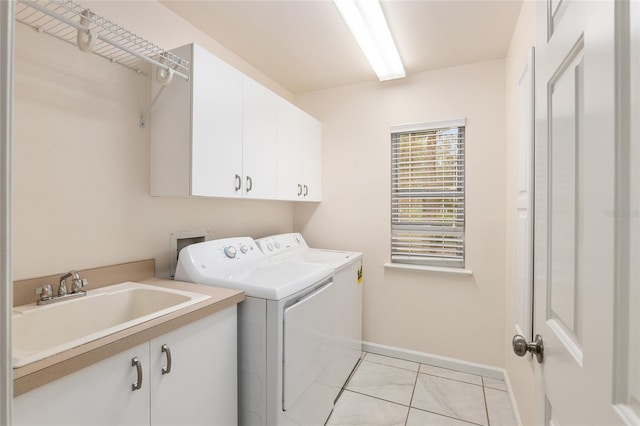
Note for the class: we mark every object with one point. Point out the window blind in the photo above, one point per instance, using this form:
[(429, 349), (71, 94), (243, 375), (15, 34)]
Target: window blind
[(427, 197)]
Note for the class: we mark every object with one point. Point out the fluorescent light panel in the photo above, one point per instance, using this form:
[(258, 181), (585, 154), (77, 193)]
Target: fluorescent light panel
[(366, 21)]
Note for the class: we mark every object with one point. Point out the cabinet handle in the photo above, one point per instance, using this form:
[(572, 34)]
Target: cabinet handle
[(306, 190), (238, 183), (167, 352), (299, 190), (135, 362), (249, 183)]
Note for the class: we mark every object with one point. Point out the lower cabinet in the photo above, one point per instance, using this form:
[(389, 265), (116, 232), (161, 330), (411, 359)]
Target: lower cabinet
[(187, 376)]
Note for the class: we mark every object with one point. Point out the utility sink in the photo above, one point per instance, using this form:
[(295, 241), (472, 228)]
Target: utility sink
[(43, 331)]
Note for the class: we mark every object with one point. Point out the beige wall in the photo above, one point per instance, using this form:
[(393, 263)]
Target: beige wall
[(81, 163), (520, 369), (461, 317)]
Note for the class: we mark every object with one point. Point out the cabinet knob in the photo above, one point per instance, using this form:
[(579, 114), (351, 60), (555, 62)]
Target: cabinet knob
[(306, 190), (249, 183), (238, 183), (299, 190)]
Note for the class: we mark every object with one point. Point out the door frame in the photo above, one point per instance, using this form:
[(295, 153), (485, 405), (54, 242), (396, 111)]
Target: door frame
[(528, 120), (6, 282)]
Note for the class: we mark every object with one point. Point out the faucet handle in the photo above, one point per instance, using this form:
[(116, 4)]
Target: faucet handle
[(45, 292), (78, 284)]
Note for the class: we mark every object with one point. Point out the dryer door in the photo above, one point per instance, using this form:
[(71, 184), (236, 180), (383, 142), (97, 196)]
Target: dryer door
[(308, 351)]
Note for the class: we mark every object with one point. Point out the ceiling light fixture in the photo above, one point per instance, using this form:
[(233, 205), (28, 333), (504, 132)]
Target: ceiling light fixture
[(368, 25)]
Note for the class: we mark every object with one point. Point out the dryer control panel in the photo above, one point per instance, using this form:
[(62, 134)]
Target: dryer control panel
[(282, 243)]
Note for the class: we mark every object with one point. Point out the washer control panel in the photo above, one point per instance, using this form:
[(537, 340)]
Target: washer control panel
[(220, 256), (236, 249)]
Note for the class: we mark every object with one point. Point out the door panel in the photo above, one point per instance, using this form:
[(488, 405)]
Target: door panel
[(565, 92)]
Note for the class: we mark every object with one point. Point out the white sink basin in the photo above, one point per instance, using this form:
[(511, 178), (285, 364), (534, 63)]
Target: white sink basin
[(43, 331)]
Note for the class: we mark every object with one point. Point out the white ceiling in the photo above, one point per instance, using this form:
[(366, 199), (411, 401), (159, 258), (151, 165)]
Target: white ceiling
[(305, 45)]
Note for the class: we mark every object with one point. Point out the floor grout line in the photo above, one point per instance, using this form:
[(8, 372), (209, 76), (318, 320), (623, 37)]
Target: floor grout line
[(449, 378), (413, 392), (486, 407), (394, 366), (379, 399), (444, 415)]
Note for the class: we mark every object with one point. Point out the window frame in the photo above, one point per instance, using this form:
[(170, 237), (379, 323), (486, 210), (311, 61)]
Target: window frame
[(429, 231)]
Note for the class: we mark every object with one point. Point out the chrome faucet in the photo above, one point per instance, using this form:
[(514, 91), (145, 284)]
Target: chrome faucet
[(77, 289)]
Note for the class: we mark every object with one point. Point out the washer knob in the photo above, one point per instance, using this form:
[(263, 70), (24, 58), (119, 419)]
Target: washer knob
[(297, 238), (277, 244), (244, 248), (230, 251), (270, 247)]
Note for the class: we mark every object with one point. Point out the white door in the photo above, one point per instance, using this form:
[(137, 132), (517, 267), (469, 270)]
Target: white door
[(575, 259)]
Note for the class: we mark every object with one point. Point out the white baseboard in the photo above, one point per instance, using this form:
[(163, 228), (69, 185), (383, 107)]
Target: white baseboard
[(512, 398), (437, 360), (447, 362)]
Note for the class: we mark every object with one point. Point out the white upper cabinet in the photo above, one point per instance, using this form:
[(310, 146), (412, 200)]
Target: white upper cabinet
[(221, 134), (196, 130), (260, 133), (289, 142), (311, 156), (299, 154), (216, 155)]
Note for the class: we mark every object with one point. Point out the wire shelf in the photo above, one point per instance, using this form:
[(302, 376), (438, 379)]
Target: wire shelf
[(63, 19)]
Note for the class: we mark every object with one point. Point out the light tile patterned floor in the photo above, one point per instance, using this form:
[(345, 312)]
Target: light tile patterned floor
[(392, 391)]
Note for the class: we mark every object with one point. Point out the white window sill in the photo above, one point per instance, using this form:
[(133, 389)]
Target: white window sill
[(437, 269)]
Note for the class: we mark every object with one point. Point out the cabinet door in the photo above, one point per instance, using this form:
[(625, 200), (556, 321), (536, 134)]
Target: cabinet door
[(201, 387), (97, 395), (311, 158), (289, 150), (259, 141), (216, 154)]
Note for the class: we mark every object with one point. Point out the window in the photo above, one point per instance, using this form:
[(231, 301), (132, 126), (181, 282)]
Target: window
[(427, 194)]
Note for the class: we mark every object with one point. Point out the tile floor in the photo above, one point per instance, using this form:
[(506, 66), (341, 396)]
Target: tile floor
[(392, 391)]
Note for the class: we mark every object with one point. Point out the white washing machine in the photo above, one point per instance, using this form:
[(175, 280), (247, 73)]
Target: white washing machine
[(286, 345), (347, 281)]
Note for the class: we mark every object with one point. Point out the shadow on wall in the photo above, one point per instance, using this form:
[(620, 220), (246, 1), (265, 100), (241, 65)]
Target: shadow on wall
[(303, 213)]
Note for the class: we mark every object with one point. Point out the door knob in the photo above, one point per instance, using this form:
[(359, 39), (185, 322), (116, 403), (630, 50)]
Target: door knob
[(521, 347)]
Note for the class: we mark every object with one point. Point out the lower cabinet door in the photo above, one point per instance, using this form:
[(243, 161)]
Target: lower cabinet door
[(194, 373), (97, 395)]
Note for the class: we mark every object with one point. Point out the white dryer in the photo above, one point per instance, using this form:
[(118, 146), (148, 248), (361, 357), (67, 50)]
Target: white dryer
[(347, 281), (286, 343)]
